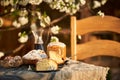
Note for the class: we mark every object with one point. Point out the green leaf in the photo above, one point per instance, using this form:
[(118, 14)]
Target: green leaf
[(14, 1)]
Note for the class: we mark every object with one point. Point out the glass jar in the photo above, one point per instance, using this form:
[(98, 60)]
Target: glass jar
[(38, 43)]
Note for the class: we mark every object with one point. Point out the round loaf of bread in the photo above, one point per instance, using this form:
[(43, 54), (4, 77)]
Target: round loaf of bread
[(46, 65), (10, 61)]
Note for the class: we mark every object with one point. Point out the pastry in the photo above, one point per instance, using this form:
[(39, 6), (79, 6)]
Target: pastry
[(46, 65), (33, 56), (10, 61)]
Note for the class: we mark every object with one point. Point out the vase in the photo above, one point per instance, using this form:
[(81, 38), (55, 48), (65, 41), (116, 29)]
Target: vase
[(38, 41)]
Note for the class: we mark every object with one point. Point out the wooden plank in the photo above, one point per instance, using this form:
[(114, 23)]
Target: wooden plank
[(97, 23), (73, 38), (98, 48)]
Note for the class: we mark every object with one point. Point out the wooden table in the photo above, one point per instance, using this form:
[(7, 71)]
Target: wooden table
[(72, 71)]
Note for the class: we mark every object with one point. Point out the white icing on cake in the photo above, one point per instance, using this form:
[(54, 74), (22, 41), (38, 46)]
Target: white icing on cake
[(57, 43), (35, 54)]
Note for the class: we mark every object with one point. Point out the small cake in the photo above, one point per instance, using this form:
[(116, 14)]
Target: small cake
[(10, 61), (46, 65), (33, 56)]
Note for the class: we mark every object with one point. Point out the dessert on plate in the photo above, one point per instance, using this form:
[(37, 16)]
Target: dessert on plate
[(33, 56)]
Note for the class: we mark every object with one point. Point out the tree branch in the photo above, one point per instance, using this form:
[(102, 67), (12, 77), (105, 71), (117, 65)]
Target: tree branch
[(59, 19), (18, 48)]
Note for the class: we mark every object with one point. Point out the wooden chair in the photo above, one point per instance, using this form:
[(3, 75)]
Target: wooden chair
[(95, 47)]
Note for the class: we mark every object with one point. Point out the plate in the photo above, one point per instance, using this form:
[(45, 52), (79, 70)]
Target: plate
[(48, 70), (33, 69)]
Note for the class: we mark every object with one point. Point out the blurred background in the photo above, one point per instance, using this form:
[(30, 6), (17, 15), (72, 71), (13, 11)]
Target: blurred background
[(9, 36)]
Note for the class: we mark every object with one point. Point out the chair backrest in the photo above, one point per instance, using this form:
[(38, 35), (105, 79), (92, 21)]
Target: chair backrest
[(95, 47)]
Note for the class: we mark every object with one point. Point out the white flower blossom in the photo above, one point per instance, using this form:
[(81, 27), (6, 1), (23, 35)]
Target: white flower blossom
[(63, 9), (48, 1), (66, 0), (68, 11), (13, 2), (96, 4), (23, 12), (42, 24), (16, 24), (103, 2), (73, 11), (5, 3), (35, 2), (55, 29), (45, 20), (23, 20), (12, 9), (23, 2), (82, 2), (23, 37), (101, 14), (38, 14), (1, 54), (68, 6)]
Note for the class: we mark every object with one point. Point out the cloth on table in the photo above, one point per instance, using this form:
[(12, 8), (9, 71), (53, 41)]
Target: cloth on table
[(73, 70)]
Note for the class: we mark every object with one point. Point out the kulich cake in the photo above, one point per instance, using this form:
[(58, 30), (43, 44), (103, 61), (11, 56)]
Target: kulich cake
[(57, 51), (46, 65), (33, 56), (10, 61)]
